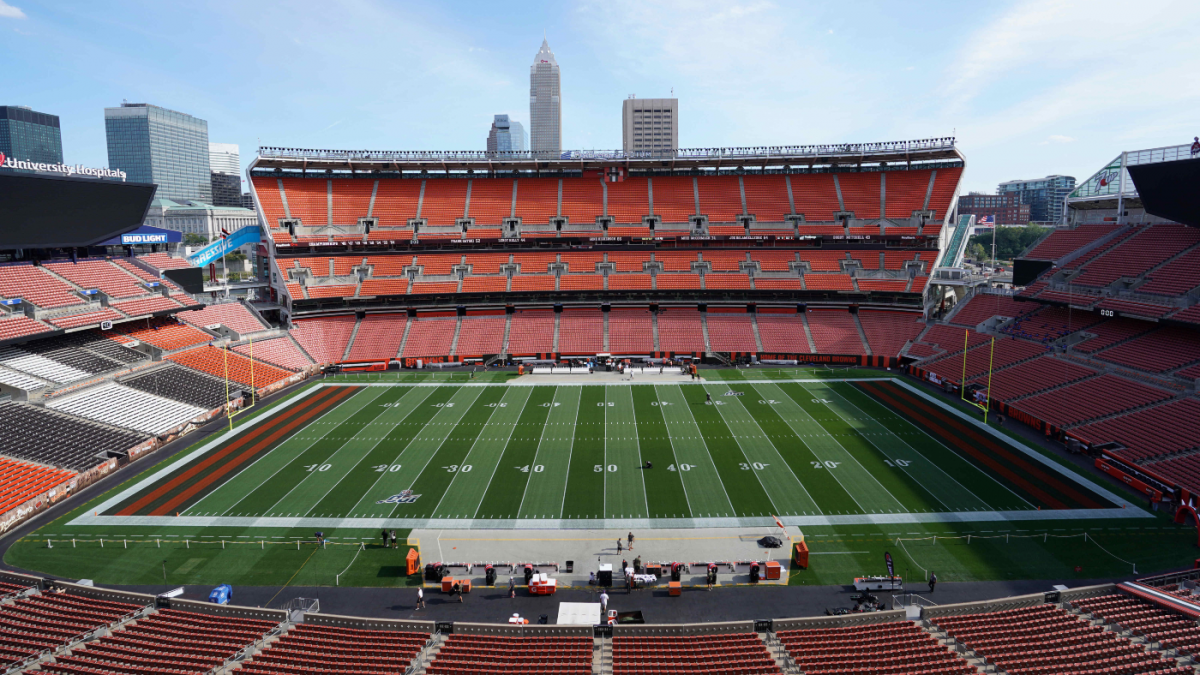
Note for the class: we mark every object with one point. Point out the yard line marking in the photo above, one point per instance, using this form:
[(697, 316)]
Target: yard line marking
[(343, 444), (845, 453), (512, 426), (743, 451), (675, 456), (777, 452), (464, 410), (973, 465), (315, 440), (378, 440), (889, 456)]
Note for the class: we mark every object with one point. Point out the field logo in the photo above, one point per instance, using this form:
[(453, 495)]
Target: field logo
[(405, 497)]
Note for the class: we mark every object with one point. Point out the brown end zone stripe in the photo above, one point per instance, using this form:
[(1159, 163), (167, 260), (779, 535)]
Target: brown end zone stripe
[(981, 457), (342, 394), (255, 433)]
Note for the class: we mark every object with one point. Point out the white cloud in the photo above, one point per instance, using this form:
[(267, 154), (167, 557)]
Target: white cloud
[(1058, 138), (7, 11)]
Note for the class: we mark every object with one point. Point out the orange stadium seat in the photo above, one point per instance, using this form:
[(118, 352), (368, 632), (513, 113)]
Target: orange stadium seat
[(445, 201), (308, 200), (396, 202), (767, 198), (537, 200), (674, 198), (860, 193), (720, 199), (351, 200), (240, 369), (628, 201), (815, 195), (491, 200), (378, 337)]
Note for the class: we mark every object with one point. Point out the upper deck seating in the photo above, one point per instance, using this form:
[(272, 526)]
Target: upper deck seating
[(232, 315), (99, 274), (308, 200), (1135, 255)]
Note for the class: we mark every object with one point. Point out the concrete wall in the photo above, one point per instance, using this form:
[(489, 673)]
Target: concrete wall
[(1015, 602), (359, 623), (275, 615), (844, 621), (717, 628)]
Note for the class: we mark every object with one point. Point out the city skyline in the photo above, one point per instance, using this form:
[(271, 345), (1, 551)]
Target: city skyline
[(982, 83)]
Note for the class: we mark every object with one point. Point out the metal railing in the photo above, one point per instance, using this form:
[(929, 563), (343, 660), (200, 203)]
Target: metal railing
[(753, 152)]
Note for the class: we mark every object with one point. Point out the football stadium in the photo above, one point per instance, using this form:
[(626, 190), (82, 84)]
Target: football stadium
[(739, 410)]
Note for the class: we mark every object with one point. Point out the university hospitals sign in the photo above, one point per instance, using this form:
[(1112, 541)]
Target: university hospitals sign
[(11, 163)]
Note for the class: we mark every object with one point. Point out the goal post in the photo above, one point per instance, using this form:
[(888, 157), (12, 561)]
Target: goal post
[(253, 392), (962, 389)]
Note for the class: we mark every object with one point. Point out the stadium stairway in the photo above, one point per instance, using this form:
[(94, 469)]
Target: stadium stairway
[(353, 335), (862, 334)]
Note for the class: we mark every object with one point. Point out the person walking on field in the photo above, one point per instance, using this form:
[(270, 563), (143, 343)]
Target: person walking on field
[(420, 598), (619, 549), (603, 605), (512, 588), (384, 534), (630, 537), (932, 581)]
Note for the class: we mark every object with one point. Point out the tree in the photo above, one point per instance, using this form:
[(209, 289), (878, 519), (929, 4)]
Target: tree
[(193, 239), (1010, 241), (978, 252)]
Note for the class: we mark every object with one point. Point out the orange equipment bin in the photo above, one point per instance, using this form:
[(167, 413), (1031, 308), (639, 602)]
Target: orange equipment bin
[(448, 583), (675, 587), (773, 569), (414, 561), (800, 555)]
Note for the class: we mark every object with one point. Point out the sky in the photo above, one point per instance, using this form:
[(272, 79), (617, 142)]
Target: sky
[(1027, 88)]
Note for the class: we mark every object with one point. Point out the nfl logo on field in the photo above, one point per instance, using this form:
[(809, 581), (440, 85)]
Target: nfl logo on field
[(405, 497)]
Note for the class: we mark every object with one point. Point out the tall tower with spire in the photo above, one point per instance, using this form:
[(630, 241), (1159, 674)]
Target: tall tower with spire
[(545, 104)]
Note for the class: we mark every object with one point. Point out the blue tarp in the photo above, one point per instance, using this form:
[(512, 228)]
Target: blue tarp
[(145, 235)]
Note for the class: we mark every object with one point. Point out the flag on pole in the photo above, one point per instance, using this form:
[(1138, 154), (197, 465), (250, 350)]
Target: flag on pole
[(224, 233), (779, 523)]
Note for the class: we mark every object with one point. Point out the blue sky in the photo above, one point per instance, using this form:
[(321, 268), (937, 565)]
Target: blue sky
[(1028, 88)]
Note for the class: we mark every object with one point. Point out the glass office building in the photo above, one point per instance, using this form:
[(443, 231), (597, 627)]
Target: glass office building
[(1046, 197), (506, 135), (160, 146), (30, 136)]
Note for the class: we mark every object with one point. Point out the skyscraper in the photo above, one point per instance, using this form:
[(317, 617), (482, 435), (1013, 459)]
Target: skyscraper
[(545, 104), (165, 147), (30, 136), (650, 124), (506, 135), (224, 160)]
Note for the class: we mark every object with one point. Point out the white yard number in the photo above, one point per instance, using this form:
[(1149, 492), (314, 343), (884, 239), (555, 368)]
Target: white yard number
[(497, 405), (769, 401), (537, 468), (658, 403), (599, 468), (820, 400), (827, 464), (609, 404), (465, 468), (317, 467), (758, 466), (682, 467), (389, 405), (547, 405), (443, 405), (899, 462), (381, 468)]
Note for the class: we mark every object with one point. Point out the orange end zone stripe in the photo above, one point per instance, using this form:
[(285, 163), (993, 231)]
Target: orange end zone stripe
[(257, 432)]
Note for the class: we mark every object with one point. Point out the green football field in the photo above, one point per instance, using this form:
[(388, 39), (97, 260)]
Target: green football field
[(491, 454), (860, 462)]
